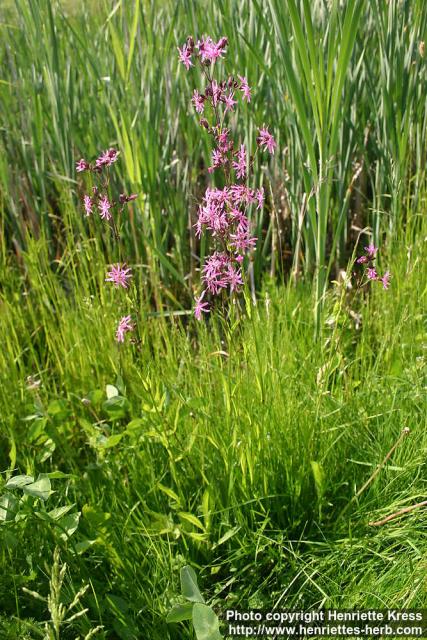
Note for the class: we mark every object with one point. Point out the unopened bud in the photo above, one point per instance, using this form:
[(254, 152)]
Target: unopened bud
[(204, 123), (223, 42), (190, 44)]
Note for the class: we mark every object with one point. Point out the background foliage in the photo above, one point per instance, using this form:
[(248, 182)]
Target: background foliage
[(343, 85), (239, 448)]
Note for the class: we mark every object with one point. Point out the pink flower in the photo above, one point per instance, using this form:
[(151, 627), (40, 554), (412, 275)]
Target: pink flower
[(245, 89), (234, 278), (242, 241), (362, 260), (218, 159), (82, 165), (371, 251), (241, 194), (119, 275), (213, 213), (241, 219), (88, 204), (223, 142), (107, 158), (266, 140), (214, 272), (223, 211), (371, 274), (215, 91), (125, 325), (198, 101), (104, 206), (185, 56), (200, 306), (259, 195), (386, 280), (240, 165), (229, 102), (209, 51), (219, 273)]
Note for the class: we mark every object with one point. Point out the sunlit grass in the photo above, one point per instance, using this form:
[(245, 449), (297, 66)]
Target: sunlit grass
[(354, 144), (244, 446), (240, 448)]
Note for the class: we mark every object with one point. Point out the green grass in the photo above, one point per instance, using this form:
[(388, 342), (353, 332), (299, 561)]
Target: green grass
[(241, 446), (221, 427), (344, 92)]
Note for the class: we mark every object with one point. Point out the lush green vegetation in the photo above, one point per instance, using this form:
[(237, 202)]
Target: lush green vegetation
[(209, 460), (73, 83), (244, 446)]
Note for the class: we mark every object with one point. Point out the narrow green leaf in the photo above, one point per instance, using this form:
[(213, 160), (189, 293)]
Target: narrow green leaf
[(318, 476), (117, 48), (132, 38), (57, 513), (191, 519), (169, 492), (229, 534)]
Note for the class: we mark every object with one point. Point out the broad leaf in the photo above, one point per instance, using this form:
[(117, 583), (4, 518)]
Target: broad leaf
[(8, 506), (17, 482), (112, 441), (189, 586), (40, 488), (59, 512), (116, 407), (180, 612), (206, 623), (69, 524), (111, 391)]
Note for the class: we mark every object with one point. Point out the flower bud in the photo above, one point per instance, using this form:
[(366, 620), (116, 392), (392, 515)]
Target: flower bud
[(190, 44)]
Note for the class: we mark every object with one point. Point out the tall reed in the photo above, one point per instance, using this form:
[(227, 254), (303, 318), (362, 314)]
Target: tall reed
[(345, 85)]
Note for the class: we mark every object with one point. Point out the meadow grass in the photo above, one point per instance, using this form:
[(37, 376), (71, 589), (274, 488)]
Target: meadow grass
[(343, 88), (251, 446), (238, 448)]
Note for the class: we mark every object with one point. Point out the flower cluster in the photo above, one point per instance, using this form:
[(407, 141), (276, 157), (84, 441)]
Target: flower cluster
[(224, 213), (368, 261), (108, 208), (206, 50), (100, 199)]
